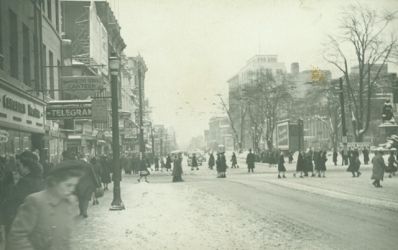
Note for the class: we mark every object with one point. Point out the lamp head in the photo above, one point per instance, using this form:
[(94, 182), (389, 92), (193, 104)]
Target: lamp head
[(114, 64)]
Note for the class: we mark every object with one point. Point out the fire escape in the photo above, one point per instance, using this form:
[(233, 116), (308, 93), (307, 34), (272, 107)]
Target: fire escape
[(81, 45)]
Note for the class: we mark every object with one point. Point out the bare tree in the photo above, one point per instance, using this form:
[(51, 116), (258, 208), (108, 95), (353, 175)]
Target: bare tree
[(238, 134), (266, 98), (363, 33)]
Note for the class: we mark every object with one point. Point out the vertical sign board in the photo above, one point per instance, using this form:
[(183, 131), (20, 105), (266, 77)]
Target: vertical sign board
[(283, 135), (99, 111)]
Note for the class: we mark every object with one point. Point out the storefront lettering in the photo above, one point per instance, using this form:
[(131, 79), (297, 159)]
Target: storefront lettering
[(34, 112), (71, 112), (20, 107)]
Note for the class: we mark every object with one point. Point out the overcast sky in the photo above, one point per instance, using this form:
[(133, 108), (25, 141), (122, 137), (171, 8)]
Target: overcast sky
[(192, 47)]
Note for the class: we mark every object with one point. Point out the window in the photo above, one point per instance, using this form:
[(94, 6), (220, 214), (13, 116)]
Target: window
[(51, 66), (58, 74), (13, 44), (44, 83), (26, 55), (49, 14), (1, 40), (57, 15)]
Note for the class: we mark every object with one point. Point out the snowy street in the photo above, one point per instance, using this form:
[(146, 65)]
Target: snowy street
[(245, 211)]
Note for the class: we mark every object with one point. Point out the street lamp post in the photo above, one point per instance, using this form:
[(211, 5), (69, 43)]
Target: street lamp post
[(114, 64)]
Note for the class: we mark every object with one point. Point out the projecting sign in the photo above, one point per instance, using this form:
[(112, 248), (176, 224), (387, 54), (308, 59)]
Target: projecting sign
[(82, 86), (99, 111), (282, 135), (68, 113)]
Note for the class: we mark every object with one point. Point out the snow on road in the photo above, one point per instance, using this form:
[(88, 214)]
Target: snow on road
[(178, 216)]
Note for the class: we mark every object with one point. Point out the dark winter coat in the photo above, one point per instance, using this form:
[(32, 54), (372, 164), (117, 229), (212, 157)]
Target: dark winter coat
[(233, 159), (223, 166), (28, 184), (334, 156), (106, 172), (250, 159), (391, 167), (300, 166), (378, 167), (365, 155), (322, 161), (177, 170), (281, 164), (211, 160), (168, 162), (308, 162), (88, 183), (354, 165), (194, 161)]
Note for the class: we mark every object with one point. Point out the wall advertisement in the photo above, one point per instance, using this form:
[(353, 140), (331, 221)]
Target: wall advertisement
[(283, 135)]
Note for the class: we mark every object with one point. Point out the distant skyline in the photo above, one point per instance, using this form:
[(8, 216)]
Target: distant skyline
[(192, 47)]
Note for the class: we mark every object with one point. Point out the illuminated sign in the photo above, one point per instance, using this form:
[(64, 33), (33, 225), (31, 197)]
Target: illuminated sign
[(68, 113)]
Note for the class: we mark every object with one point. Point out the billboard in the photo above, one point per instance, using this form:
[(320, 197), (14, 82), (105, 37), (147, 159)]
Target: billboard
[(98, 41), (282, 135), (82, 86)]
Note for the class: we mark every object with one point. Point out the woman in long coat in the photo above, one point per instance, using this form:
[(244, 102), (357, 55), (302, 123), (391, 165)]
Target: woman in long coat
[(106, 172), (378, 169), (223, 166), (211, 161), (143, 169), (354, 165), (98, 173), (300, 166), (234, 161), (177, 170), (218, 166), (168, 162), (281, 166), (309, 164)]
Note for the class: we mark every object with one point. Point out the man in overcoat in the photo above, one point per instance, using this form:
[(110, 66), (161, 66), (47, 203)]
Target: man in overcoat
[(177, 170), (250, 160)]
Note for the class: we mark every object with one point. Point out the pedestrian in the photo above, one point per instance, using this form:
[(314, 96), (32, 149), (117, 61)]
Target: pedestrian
[(234, 161), (168, 162), (218, 165), (250, 159), (162, 164), (300, 166), (378, 168), (156, 159), (6, 184), (30, 181), (143, 169), (365, 153), (45, 219), (392, 165), (335, 157), (211, 161), (98, 173), (322, 163), (194, 162), (291, 157), (223, 165), (309, 164), (106, 172), (136, 164), (281, 166), (129, 164), (177, 170), (86, 185), (354, 166)]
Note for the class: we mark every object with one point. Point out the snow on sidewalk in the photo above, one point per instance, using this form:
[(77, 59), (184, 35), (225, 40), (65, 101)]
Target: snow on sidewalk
[(178, 216)]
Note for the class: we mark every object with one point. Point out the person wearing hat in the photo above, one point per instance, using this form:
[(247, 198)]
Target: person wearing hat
[(223, 165), (30, 181), (211, 161), (177, 170), (194, 162), (250, 159), (44, 220), (378, 168), (87, 184), (234, 161), (218, 165)]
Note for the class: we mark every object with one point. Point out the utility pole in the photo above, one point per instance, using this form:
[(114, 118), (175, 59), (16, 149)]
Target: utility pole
[(142, 146), (343, 126)]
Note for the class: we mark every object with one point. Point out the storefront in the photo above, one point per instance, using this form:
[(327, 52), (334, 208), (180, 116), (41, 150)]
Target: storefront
[(21, 121)]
